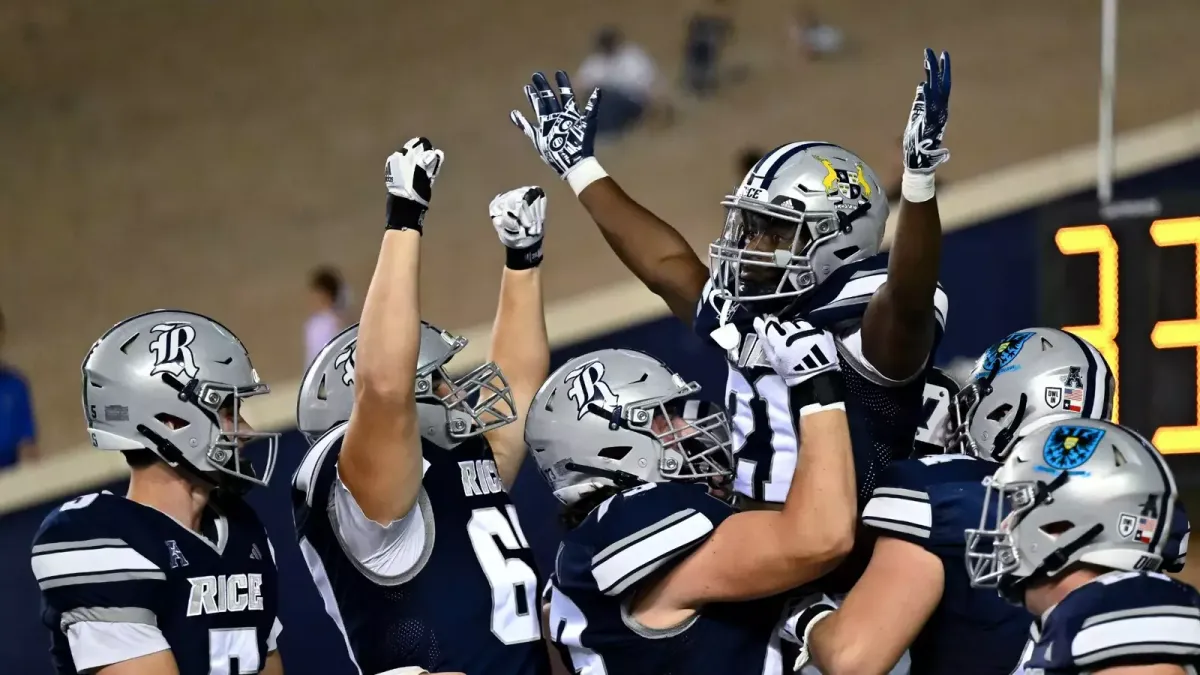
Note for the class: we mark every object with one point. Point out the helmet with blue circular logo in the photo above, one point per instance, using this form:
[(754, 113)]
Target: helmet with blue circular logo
[(1075, 491)]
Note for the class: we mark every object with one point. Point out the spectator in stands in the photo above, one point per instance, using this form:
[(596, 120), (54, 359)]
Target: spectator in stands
[(708, 31), (627, 75), (328, 293), (813, 38), (18, 435)]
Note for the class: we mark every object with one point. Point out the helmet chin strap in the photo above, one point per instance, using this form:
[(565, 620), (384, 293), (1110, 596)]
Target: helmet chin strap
[(621, 479)]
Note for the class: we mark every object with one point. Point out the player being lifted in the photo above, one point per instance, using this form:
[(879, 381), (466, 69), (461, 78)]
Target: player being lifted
[(801, 240), (401, 507), (649, 576), (176, 577), (915, 593), (1075, 528)]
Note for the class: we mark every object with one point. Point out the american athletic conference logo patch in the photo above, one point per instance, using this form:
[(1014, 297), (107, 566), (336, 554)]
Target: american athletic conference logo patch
[(1070, 447)]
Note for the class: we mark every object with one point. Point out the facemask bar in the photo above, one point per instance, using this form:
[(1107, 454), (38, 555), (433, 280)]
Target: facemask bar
[(493, 408), (731, 262), (958, 420), (225, 454), (991, 549)]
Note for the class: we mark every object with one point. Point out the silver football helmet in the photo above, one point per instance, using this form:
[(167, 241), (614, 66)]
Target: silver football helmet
[(1086, 491), (444, 402), (802, 212), (620, 417), (173, 383), (1030, 376)]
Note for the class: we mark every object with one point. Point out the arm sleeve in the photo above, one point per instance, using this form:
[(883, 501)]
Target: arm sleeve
[(95, 644), (900, 506), (387, 550)]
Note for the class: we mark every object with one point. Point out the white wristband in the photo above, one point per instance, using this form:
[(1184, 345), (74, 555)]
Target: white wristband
[(813, 408), (917, 187), (584, 174)]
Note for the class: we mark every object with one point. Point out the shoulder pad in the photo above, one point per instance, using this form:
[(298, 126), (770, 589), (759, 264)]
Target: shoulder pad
[(306, 482), (637, 532), (1121, 618), (930, 500), (82, 558)]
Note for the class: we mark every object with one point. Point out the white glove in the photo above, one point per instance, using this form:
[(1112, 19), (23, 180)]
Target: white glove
[(518, 216), (409, 174), (796, 350)]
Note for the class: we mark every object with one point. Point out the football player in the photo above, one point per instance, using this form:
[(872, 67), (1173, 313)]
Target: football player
[(177, 576), (801, 240), (1074, 529), (915, 593), (401, 504), (649, 575)]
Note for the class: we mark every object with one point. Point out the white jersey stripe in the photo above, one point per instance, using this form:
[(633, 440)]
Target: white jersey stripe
[(1138, 635), (620, 570), (89, 561), (898, 509)]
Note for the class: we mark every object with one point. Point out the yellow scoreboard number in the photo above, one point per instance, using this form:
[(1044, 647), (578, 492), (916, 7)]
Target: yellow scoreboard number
[(1176, 334)]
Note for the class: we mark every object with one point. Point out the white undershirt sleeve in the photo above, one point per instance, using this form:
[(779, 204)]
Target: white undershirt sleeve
[(95, 644), (387, 550)]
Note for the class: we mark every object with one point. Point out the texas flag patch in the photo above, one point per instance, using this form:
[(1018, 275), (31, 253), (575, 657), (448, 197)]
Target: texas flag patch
[(1146, 528), (1073, 400)]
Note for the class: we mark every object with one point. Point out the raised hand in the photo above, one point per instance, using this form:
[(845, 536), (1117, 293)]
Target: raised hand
[(409, 174), (519, 216), (923, 150), (563, 135)]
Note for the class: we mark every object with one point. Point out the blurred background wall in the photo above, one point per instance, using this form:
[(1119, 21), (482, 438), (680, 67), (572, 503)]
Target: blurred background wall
[(209, 155)]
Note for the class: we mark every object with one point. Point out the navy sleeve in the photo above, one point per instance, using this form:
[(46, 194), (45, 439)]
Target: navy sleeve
[(636, 533), (88, 571), (1121, 618), (314, 478), (899, 507)]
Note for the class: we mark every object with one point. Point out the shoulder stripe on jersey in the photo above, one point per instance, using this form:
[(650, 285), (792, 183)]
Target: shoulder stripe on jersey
[(77, 545), (314, 459), (628, 561), (899, 510), (109, 615), (863, 286), (1166, 632), (64, 568)]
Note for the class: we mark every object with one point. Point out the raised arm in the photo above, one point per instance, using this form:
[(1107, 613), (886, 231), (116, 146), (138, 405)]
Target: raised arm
[(898, 328), (380, 461), (759, 553), (653, 250), (519, 345)]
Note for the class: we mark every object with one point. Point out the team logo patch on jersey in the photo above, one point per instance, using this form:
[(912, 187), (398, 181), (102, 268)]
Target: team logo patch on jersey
[(1071, 447), (177, 559), (998, 356), (1053, 396), (345, 361), (587, 386), (1126, 524), (172, 350)]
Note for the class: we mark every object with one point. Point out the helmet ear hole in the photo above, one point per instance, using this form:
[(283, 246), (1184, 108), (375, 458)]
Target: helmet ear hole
[(1058, 527), (846, 252), (172, 422)]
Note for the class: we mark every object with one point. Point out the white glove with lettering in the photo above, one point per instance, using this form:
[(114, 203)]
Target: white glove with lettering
[(519, 216), (409, 174), (796, 350)]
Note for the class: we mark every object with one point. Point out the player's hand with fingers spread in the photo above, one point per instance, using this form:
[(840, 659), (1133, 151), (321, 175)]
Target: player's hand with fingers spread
[(923, 151), (796, 350), (409, 174), (519, 216), (563, 135)]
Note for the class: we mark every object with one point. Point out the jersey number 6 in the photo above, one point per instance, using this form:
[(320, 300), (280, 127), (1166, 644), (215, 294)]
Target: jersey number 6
[(515, 617)]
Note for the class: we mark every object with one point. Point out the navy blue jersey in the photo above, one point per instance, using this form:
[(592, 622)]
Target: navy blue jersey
[(466, 603), (106, 563), (628, 539), (884, 417), (930, 502), (1120, 618)]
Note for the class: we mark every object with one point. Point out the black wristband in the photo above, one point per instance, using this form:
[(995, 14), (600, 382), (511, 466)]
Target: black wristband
[(524, 258), (825, 389), (404, 214)]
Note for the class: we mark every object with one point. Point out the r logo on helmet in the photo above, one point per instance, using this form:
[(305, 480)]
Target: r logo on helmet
[(172, 351), (587, 384), (345, 361)]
